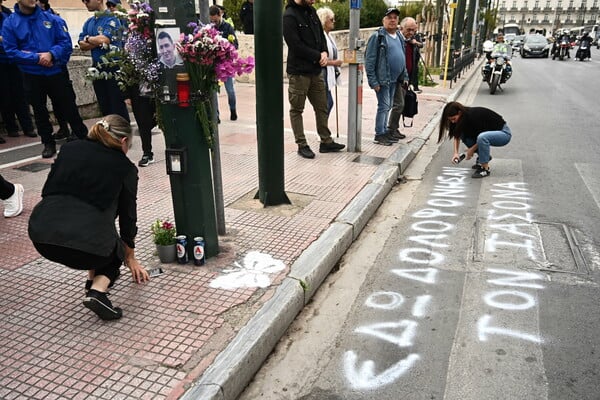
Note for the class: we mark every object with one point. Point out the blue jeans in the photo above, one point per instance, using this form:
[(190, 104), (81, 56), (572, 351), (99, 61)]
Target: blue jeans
[(230, 93), (385, 98), (487, 139)]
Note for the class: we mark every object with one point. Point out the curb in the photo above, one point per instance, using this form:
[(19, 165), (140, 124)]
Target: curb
[(237, 364)]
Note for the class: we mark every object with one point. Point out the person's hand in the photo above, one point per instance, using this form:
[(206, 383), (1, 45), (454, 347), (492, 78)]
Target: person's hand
[(138, 272), (45, 59), (376, 88), (469, 153), (323, 60)]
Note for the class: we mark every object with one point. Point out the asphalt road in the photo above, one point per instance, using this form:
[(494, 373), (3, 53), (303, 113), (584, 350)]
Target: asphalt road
[(463, 289)]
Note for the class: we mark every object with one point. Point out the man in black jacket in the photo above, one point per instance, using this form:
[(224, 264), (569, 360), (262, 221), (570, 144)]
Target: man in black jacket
[(307, 54)]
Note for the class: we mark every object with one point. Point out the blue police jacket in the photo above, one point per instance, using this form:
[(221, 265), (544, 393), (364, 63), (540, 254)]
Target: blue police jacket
[(24, 36), (4, 14), (103, 24), (377, 66)]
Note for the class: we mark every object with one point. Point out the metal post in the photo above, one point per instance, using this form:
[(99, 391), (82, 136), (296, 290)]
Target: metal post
[(269, 103), (354, 79), (448, 45), (216, 172)]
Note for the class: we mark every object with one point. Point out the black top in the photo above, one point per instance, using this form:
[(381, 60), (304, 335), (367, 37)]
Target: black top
[(247, 17), (88, 186), (476, 120), (305, 39)]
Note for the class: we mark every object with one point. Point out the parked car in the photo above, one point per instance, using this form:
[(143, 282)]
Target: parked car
[(535, 46), (517, 43)]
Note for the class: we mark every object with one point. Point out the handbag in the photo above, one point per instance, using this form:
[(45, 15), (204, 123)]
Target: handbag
[(411, 106)]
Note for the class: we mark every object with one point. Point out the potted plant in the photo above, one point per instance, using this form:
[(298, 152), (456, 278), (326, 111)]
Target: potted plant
[(164, 237)]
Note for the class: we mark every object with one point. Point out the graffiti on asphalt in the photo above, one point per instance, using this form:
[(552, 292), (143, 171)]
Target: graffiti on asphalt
[(509, 228), (254, 272)]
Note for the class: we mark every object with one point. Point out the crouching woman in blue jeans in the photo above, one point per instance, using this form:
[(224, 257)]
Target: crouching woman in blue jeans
[(478, 128)]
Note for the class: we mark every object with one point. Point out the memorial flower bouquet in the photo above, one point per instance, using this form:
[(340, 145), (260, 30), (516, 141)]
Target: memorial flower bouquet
[(209, 58), (135, 63), (164, 232)]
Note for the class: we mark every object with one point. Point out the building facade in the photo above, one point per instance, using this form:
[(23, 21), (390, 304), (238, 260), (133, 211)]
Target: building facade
[(550, 15)]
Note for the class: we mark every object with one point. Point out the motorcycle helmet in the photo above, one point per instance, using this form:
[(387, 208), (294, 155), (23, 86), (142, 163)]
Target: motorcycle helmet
[(488, 46), (585, 34)]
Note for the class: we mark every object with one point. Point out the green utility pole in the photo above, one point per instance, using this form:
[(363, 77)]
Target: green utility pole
[(268, 44), (459, 22), (471, 26), (188, 157)]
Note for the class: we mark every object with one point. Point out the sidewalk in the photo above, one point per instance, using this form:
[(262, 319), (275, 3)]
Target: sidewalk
[(197, 332)]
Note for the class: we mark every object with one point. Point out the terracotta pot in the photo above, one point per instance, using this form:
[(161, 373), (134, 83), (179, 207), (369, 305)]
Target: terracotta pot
[(167, 254)]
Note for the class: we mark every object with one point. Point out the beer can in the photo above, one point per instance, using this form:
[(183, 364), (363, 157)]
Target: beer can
[(182, 255), (199, 250)]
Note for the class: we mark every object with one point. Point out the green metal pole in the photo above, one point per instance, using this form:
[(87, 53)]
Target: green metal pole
[(459, 22), (470, 28), (268, 44)]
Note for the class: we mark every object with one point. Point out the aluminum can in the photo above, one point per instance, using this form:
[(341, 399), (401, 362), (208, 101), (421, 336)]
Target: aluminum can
[(199, 250), (182, 255)]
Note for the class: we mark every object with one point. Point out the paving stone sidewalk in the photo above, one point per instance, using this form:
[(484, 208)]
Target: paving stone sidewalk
[(174, 328)]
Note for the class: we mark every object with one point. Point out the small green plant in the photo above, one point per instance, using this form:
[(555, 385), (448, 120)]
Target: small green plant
[(164, 232)]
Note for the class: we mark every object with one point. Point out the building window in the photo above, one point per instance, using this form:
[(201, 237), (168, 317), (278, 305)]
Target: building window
[(547, 3), (525, 4), (546, 17), (570, 3), (559, 4), (537, 4), (514, 5), (503, 4)]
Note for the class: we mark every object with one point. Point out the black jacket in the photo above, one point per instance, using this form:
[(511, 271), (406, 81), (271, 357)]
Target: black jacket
[(88, 186), (305, 39), (247, 17), (476, 120)]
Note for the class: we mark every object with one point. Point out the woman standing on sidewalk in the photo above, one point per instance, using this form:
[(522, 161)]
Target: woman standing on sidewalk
[(96, 182), (332, 70), (478, 128)]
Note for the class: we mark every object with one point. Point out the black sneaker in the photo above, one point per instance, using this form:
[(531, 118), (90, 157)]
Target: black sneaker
[(481, 173), (60, 135), (30, 134), (382, 140), (306, 152), (49, 150), (146, 160), (233, 115), (396, 135), (99, 303), (330, 147)]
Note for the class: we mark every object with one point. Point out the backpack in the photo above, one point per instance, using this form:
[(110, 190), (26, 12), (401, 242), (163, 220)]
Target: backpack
[(411, 106)]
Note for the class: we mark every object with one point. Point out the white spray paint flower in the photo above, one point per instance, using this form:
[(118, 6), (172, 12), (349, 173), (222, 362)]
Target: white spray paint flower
[(253, 273)]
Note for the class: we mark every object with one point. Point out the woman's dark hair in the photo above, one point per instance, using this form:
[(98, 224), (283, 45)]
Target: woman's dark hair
[(451, 109)]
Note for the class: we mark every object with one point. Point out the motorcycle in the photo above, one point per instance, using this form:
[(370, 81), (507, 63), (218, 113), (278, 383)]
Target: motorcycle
[(562, 50), (583, 51), (497, 71)]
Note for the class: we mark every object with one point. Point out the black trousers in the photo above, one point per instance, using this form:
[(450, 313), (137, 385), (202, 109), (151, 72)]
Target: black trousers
[(110, 98), (12, 99), (7, 189), (144, 111), (80, 260), (38, 88)]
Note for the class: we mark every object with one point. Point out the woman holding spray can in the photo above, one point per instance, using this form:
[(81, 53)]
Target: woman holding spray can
[(478, 128)]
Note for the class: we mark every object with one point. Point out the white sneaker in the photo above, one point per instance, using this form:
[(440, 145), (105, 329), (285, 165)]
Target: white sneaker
[(13, 206)]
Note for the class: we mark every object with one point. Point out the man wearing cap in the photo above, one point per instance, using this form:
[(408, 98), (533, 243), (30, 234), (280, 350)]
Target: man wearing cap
[(385, 65)]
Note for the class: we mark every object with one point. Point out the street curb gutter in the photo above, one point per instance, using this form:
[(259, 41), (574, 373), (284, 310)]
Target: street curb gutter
[(237, 364)]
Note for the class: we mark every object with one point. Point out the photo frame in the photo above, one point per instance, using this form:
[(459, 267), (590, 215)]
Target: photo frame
[(168, 56)]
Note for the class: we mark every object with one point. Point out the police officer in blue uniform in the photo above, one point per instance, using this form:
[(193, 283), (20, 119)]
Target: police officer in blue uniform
[(39, 43), (101, 32)]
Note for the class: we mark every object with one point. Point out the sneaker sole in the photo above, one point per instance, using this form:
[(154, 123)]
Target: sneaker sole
[(19, 190), (101, 310), (382, 143), (145, 164)]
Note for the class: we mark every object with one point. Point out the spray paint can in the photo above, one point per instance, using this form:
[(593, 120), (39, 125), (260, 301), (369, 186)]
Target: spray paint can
[(199, 250), (182, 255)]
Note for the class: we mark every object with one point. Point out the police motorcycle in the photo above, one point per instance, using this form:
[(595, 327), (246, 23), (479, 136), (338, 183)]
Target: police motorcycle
[(561, 48), (583, 51), (498, 69)]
